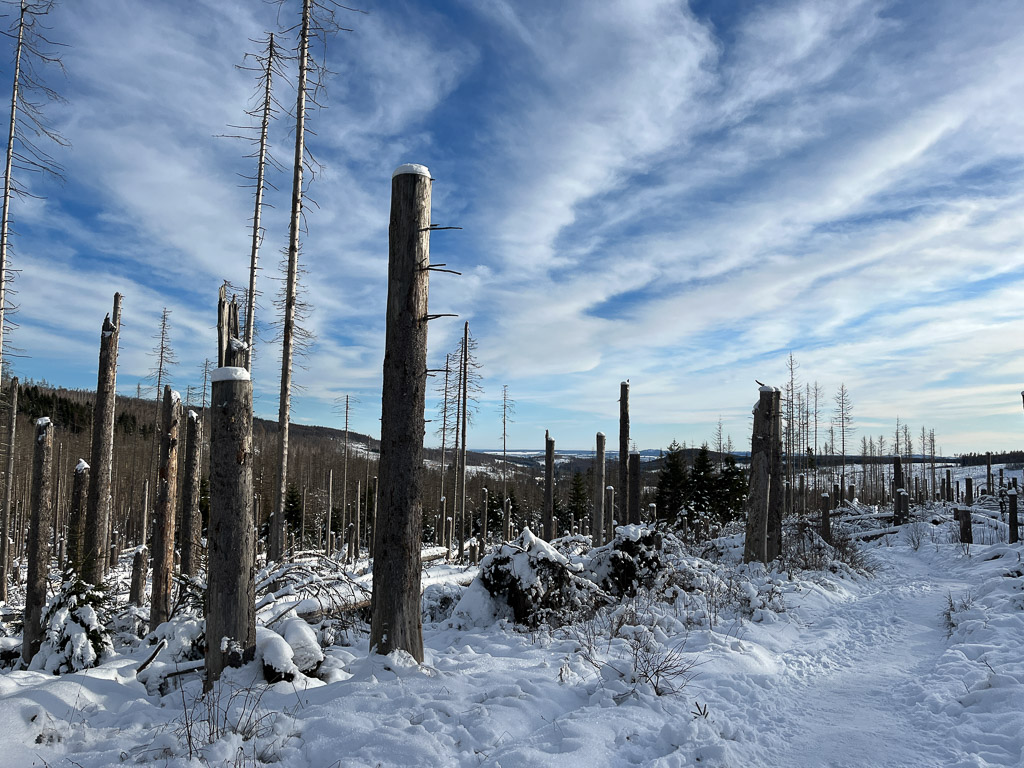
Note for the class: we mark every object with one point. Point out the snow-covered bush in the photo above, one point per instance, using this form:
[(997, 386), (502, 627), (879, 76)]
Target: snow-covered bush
[(634, 559), (539, 584), (439, 600), (288, 652), (75, 632), (185, 635)]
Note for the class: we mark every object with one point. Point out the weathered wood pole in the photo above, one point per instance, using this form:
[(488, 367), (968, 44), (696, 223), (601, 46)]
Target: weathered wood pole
[(164, 513), (763, 541), (1014, 525), (609, 512), (549, 487), (97, 515), (140, 566), (7, 530), (191, 519), (38, 539), (597, 519), (76, 519), (826, 519), (395, 603), (633, 485), (231, 540), (623, 440)]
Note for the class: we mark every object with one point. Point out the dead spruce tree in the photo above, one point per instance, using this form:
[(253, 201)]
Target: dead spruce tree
[(597, 524), (38, 539), (8, 528), (191, 521), (231, 586), (29, 93), (76, 520), (164, 513), (763, 541), (549, 486), (396, 622), (623, 439), (97, 514)]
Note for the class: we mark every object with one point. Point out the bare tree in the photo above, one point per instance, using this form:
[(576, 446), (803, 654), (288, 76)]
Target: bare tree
[(508, 408), (844, 425)]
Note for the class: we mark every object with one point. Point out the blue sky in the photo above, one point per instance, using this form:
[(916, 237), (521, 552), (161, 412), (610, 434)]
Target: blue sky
[(678, 194)]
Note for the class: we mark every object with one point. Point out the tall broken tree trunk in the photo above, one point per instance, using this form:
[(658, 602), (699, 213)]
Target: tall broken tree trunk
[(609, 512), (597, 521), (623, 440), (764, 502), (76, 523), (397, 621), (1014, 523), (191, 520), (549, 487), (163, 515), (38, 539), (464, 399), (8, 528), (97, 516), (633, 484), (231, 591)]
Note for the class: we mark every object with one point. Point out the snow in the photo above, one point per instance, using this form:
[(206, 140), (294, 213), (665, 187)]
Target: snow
[(419, 170), (81, 466), (192, 415), (230, 373), (915, 664), (175, 396), (43, 421)]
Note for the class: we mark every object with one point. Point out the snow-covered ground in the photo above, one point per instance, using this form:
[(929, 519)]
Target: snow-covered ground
[(920, 663)]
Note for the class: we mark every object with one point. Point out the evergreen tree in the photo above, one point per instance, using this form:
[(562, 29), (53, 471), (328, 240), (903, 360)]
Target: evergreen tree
[(701, 490), (579, 499), (672, 484), (293, 506), (732, 492)]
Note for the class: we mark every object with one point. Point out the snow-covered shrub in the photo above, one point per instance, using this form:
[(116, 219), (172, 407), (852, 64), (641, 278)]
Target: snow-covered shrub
[(289, 652), (75, 633), (539, 584), (185, 635), (634, 559), (439, 601)]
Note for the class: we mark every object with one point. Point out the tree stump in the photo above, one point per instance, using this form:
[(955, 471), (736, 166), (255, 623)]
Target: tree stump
[(396, 602), (633, 484), (38, 539), (763, 541), (76, 518), (597, 518), (826, 519), (191, 520), (549, 487), (623, 439), (163, 515), (1014, 529)]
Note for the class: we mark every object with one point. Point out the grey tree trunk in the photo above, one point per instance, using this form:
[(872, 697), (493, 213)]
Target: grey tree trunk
[(140, 567), (191, 520), (623, 440), (826, 519), (76, 523), (506, 520), (1014, 524), (764, 503), (597, 521), (277, 527), (483, 526), (38, 539), (329, 551), (464, 397), (396, 621), (97, 516), (231, 592), (7, 530), (163, 515), (633, 484), (969, 491), (549, 487), (609, 512)]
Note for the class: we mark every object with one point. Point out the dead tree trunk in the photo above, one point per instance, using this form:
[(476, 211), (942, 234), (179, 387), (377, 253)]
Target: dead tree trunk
[(549, 487), (76, 523), (764, 503), (231, 592), (633, 484), (163, 515), (140, 565), (8, 529), (826, 519), (464, 397), (97, 516), (597, 521), (38, 539), (623, 440), (483, 526), (191, 520), (969, 491), (396, 608), (506, 520), (1014, 529), (609, 512)]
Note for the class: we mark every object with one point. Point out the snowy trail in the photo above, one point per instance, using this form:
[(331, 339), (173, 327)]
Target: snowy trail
[(843, 695)]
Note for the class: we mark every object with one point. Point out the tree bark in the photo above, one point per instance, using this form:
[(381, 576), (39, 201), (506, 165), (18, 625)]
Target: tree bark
[(597, 522), (191, 520), (396, 622), (633, 483), (609, 512), (97, 520), (38, 539), (163, 515), (623, 440), (76, 523), (826, 519), (969, 491), (231, 592), (549, 487), (140, 565), (9, 516), (1014, 524), (763, 540)]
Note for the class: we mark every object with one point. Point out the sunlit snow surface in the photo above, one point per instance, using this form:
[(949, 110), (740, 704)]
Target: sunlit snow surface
[(855, 671)]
